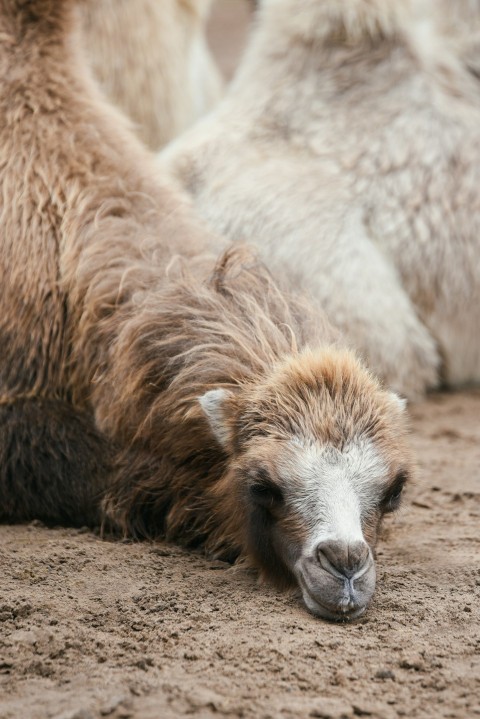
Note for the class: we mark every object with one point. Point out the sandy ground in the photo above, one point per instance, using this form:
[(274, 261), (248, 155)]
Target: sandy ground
[(92, 629), (101, 629)]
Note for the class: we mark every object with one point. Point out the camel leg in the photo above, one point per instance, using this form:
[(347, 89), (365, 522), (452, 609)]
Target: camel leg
[(363, 295)]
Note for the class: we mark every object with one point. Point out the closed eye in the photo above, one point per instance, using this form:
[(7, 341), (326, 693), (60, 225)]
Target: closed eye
[(263, 491), (266, 496), (392, 498)]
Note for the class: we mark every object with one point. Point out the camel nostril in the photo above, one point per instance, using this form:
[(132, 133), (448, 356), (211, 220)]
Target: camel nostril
[(343, 558), (337, 578)]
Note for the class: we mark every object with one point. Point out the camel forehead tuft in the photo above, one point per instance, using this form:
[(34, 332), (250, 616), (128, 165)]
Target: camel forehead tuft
[(326, 396)]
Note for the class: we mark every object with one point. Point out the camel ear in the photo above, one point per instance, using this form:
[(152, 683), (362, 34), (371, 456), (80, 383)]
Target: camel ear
[(217, 407), (400, 402)]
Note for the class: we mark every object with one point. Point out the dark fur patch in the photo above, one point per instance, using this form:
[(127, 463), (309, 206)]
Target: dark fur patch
[(54, 463), (263, 550)]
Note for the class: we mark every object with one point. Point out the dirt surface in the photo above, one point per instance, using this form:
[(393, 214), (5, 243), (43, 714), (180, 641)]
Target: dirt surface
[(92, 629)]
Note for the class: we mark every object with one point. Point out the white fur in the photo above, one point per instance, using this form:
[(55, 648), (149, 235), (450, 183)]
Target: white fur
[(459, 24), (152, 60), (401, 402), (332, 490), (213, 403), (356, 167)]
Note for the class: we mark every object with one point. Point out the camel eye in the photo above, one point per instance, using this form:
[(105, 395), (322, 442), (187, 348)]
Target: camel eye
[(264, 492), (266, 495), (391, 500)]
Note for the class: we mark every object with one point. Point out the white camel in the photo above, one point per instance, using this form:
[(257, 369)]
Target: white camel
[(348, 148)]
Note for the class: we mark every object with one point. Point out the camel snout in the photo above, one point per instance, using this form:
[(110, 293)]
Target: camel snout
[(341, 558), (337, 579)]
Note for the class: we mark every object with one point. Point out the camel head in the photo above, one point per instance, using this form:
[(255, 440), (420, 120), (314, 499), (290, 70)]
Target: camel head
[(318, 456)]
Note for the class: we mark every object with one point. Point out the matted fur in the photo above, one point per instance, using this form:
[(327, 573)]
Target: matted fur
[(348, 147), (286, 381), (152, 60), (236, 332), (230, 331)]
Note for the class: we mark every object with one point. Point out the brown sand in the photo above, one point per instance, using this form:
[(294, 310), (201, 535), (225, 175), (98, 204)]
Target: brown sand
[(92, 629)]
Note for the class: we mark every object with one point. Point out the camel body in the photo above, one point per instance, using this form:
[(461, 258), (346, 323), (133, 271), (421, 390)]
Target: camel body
[(348, 149), (153, 62), (148, 382)]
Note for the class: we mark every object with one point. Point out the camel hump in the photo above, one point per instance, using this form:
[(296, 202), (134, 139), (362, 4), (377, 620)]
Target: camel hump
[(54, 463)]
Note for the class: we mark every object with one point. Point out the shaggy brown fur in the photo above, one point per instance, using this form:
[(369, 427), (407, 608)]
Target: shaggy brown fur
[(231, 332), (236, 332), (114, 322), (53, 463), (83, 227)]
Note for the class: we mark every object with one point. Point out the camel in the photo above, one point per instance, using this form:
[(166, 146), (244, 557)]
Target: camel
[(152, 61), (153, 378), (348, 148)]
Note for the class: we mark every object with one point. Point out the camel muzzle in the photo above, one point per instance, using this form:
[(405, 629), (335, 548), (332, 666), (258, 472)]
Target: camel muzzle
[(338, 579)]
